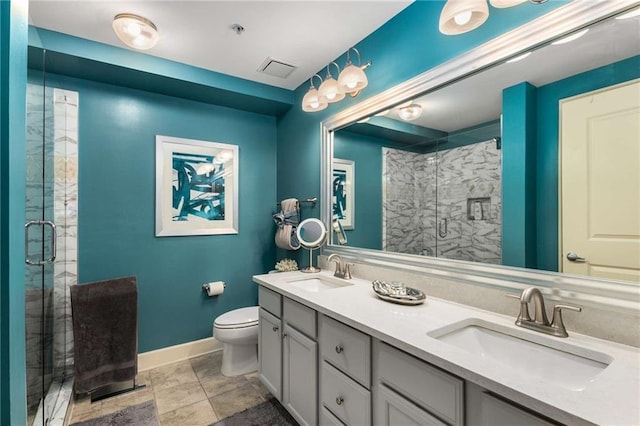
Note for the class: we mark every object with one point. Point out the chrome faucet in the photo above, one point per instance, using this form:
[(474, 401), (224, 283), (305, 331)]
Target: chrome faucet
[(540, 322), (342, 269)]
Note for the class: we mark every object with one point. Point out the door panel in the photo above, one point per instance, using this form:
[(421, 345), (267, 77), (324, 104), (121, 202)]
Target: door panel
[(600, 187)]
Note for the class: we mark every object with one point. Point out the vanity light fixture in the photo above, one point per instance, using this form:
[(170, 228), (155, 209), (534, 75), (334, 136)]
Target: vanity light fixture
[(460, 16), (571, 37), (312, 100), (329, 87), (352, 79), (505, 3), (410, 112), (135, 31)]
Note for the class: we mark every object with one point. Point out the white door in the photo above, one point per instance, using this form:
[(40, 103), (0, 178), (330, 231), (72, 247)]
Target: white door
[(600, 183), (299, 379), (270, 353)]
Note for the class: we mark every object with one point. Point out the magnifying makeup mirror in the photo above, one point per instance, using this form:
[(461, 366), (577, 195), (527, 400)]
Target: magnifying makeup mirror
[(311, 234)]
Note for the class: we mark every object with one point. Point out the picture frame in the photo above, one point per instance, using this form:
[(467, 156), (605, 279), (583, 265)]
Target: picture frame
[(196, 187), (343, 192)]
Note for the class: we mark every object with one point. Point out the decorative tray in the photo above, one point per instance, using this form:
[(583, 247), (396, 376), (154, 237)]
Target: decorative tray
[(401, 295)]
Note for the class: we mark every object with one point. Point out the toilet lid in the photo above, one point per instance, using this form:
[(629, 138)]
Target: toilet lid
[(243, 317)]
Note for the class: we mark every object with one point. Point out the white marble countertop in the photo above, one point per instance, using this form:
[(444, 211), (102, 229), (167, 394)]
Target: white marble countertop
[(612, 398)]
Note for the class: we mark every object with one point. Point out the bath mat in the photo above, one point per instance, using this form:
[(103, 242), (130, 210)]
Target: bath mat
[(140, 415), (269, 413)]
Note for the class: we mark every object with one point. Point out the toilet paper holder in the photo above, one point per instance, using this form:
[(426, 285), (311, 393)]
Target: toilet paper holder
[(206, 287)]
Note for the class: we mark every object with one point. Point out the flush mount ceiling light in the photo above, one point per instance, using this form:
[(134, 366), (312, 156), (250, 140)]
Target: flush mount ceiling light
[(571, 37), (135, 31), (411, 112), (312, 100), (460, 16), (330, 88), (352, 79)]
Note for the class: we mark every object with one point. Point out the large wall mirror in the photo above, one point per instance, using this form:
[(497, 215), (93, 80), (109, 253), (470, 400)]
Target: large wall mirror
[(462, 168)]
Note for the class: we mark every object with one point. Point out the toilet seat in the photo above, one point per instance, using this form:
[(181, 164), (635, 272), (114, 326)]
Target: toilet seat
[(238, 318)]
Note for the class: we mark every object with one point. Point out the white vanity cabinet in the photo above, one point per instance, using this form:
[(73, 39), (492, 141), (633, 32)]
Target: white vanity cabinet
[(300, 362), (409, 391), (270, 342), (345, 374), (288, 354), (486, 409)]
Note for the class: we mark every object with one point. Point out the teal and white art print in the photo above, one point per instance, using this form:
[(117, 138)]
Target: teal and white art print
[(343, 183), (196, 187)]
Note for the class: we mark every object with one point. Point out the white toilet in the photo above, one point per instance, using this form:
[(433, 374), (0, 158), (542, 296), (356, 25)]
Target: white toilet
[(238, 330)]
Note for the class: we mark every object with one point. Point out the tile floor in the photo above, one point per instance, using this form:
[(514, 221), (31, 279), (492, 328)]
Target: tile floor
[(191, 392)]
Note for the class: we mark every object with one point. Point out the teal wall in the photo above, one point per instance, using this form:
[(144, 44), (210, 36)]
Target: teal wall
[(547, 147), (366, 152), (117, 207), (518, 175), (407, 45), (13, 87)]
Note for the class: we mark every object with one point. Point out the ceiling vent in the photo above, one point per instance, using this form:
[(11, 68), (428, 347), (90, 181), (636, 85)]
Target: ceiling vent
[(276, 68)]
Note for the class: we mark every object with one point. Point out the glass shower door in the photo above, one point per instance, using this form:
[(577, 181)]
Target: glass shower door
[(40, 248)]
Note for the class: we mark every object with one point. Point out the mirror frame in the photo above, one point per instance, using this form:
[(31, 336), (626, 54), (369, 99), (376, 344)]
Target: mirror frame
[(622, 296)]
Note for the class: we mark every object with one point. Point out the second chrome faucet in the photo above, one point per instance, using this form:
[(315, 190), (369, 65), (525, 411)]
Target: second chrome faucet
[(342, 269), (540, 321)]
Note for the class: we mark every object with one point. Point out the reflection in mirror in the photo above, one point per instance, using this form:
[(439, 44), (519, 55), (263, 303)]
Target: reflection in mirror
[(311, 234), (451, 173), (341, 236)]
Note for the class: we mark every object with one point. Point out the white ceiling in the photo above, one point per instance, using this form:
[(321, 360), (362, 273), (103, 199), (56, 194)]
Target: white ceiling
[(478, 99), (307, 34)]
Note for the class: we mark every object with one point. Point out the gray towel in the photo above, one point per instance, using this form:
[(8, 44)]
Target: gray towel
[(287, 220), (105, 330)]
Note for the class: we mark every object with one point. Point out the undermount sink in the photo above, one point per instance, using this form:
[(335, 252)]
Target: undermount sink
[(542, 357), (316, 284)]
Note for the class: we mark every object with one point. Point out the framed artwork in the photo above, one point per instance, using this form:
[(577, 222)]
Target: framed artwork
[(196, 187), (344, 185)]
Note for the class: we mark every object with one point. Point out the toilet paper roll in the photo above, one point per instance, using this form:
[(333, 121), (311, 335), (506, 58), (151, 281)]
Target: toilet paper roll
[(214, 288)]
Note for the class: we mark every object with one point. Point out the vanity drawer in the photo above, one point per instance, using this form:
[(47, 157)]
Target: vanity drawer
[(346, 349), (440, 393), (269, 300), (346, 399), (300, 317), (328, 419)]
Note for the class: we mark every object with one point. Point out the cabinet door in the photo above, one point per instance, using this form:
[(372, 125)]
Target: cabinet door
[(299, 389), (394, 410), (484, 409), (270, 353)]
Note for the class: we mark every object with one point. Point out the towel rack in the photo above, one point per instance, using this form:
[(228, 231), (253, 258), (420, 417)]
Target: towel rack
[(311, 201)]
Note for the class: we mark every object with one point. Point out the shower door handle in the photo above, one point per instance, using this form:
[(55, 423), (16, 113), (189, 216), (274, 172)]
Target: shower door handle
[(54, 238)]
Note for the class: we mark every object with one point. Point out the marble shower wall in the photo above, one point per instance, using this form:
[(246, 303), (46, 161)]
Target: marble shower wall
[(447, 203), (51, 194), (65, 269)]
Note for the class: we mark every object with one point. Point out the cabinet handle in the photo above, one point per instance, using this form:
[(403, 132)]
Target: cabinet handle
[(339, 400), (339, 349), (284, 335), (276, 328)]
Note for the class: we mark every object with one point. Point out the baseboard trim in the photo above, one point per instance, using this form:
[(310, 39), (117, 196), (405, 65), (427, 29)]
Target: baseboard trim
[(168, 355)]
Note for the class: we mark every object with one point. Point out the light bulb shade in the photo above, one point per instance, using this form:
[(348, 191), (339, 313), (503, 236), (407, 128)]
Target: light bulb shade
[(505, 3), (135, 31), (461, 8), (411, 112), (312, 101), (352, 79), (330, 90)]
